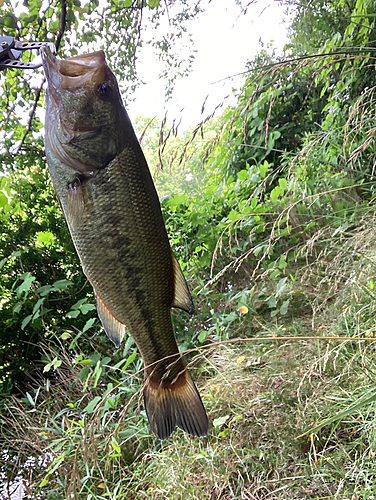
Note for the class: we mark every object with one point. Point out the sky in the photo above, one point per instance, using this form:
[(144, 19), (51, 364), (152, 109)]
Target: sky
[(225, 40)]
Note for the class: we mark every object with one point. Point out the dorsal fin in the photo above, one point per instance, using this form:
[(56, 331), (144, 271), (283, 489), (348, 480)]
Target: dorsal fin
[(182, 297), (113, 328)]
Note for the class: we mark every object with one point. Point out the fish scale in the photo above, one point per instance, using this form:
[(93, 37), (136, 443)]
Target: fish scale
[(107, 194)]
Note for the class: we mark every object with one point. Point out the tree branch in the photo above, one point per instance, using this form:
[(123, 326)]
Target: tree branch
[(62, 24), (31, 117), (39, 90)]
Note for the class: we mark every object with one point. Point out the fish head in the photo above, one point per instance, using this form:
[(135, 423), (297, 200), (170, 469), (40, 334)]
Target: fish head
[(85, 117)]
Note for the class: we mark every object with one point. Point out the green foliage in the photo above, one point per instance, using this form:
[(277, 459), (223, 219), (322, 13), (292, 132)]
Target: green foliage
[(43, 292)]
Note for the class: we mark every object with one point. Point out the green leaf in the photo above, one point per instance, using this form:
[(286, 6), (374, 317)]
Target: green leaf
[(218, 422), (242, 175), (44, 290), (44, 238), (84, 373), (73, 314), (259, 249), (38, 304), (128, 433), (26, 321), (3, 200), (233, 215), (79, 303), (97, 373), (115, 446), (275, 274), (94, 358), (91, 406), (47, 367), (56, 363), (282, 262), (62, 284), (89, 323), (177, 199), (85, 362), (281, 287), (129, 343), (282, 184), (85, 308), (153, 3), (28, 279), (272, 302), (284, 306), (45, 481), (131, 358), (211, 189), (274, 194), (202, 336), (17, 308), (264, 168), (8, 21)]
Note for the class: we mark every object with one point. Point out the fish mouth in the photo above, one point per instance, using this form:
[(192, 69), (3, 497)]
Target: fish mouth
[(79, 73), (79, 113), (87, 70)]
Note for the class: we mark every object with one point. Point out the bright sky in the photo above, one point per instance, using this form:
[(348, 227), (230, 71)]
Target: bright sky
[(225, 40)]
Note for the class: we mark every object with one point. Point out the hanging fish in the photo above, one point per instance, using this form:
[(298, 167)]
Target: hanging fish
[(107, 194)]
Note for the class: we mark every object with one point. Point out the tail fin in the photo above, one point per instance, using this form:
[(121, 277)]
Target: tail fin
[(177, 404)]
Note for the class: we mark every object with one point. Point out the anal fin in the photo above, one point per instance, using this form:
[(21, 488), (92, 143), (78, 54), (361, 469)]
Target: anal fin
[(114, 329), (182, 297)]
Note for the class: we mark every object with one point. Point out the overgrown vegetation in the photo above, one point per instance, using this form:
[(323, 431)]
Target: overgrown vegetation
[(271, 215)]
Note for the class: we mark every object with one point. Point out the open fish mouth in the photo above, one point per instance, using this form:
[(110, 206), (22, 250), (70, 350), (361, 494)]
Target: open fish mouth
[(87, 70), (79, 74)]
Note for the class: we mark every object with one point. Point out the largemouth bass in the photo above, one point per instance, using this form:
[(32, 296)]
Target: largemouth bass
[(107, 194)]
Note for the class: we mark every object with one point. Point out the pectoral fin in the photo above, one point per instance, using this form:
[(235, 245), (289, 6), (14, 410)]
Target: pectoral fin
[(76, 205), (113, 328), (182, 297)]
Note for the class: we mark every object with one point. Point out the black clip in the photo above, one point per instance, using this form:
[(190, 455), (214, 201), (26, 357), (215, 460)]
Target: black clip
[(11, 50)]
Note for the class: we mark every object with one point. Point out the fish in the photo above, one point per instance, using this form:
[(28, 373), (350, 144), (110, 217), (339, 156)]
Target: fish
[(103, 183)]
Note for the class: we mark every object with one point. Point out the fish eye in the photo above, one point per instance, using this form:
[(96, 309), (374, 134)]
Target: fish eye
[(104, 90)]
